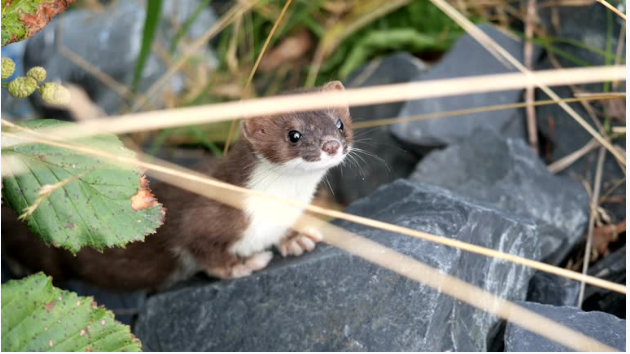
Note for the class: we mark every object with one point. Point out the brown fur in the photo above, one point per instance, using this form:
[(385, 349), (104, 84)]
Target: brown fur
[(203, 227)]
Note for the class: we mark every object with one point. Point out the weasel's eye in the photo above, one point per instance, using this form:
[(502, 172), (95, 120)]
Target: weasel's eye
[(339, 124), (294, 136)]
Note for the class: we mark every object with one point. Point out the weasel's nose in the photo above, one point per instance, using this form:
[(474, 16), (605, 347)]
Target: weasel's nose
[(331, 147)]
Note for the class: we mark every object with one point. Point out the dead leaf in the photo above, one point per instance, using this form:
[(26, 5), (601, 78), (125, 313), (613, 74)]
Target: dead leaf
[(18, 23), (604, 235), (616, 108), (143, 199), (288, 50), (50, 306)]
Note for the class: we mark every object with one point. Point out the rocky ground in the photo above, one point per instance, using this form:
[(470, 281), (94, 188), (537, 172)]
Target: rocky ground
[(471, 177)]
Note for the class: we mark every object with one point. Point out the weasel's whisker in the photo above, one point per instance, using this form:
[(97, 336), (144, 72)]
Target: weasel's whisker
[(329, 186), (370, 154)]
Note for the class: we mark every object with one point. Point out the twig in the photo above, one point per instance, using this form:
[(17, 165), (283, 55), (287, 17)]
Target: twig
[(494, 48), (594, 204), (456, 288), (329, 43), (568, 160), (228, 193), (620, 45), (253, 71), (612, 8), (145, 121), (469, 111), (530, 110), (46, 191), (230, 16)]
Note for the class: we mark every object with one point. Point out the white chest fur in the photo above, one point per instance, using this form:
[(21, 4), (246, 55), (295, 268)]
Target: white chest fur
[(269, 222)]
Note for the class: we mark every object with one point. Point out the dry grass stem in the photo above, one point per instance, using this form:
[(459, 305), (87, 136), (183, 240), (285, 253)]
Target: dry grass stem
[(591, 223), (253, 71), (501, 54), (418, 271), (619, 52), (343, 29), (225, 21), (619, 130), (220, 188), (461, 112), (146, 121), (45, 192), (568, 160), (459, 289), (532, 130), (612, 8)]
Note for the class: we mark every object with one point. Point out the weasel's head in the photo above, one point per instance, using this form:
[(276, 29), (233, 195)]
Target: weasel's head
[(303, 141)]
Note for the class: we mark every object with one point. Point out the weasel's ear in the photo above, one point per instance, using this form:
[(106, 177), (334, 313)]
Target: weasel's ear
[(252, 127), (344, 111), (334, 85)]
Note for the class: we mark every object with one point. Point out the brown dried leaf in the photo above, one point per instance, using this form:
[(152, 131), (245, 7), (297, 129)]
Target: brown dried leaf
[(23, 19), (288, 50), (144, 199), (604, 235), (616, 108)]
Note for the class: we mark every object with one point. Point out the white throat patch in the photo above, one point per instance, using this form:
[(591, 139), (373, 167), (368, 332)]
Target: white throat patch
[(269, 220)]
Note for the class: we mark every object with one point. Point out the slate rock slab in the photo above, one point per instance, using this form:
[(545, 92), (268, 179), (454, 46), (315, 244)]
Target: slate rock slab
[(550, 289), (466, 58), (606, 328), (329, 300), (588, 26), (507, 174), (124, 304), (612, 268), (384, 159), (110, 41)]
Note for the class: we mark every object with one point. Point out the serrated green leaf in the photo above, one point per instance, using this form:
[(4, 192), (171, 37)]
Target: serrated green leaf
[(23, 18), (39, 317), (93, 209)]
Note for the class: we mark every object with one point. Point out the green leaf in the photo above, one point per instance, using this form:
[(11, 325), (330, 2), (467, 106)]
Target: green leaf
[(94, 208), (154, 10), (39, 317), (391, 40), (23, 18)]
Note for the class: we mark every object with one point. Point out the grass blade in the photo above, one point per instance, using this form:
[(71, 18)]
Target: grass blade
[(154, 9), (184, 29)]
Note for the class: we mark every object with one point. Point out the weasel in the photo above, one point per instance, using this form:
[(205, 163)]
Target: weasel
[(285, 155)]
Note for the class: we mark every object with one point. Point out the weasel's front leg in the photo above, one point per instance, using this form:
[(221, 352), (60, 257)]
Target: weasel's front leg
[(239, 267), (296, 243)]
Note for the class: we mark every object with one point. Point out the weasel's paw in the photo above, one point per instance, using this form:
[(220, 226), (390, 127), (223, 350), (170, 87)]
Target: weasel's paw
[(243, 268), (298, 243)]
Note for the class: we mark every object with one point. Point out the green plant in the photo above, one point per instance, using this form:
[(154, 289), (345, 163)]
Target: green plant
[(72, 200), (151, 22), (39, 317), (22, 19), (24, 86)]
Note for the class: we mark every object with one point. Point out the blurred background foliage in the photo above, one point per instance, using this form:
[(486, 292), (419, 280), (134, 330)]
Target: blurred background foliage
[(315, 41)]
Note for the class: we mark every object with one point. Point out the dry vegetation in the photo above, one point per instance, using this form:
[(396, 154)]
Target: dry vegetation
[(307, 43)]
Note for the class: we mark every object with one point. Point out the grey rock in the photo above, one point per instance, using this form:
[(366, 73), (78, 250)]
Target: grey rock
[(612, 268), (466, 58), (550, 289), (124, 304), (588, 26), (110, 41), (606, 328), (383, 158), (329, 300), (507, 174)]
